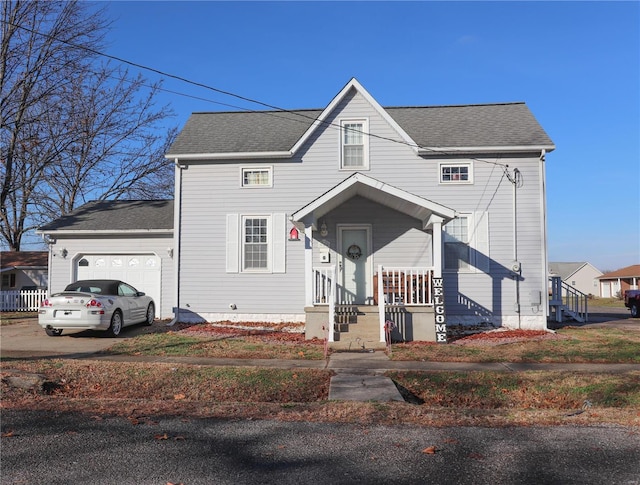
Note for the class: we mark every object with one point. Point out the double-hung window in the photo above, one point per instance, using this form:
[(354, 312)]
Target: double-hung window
[(354, 144), (255, 245), (466, 243), (456, 244)]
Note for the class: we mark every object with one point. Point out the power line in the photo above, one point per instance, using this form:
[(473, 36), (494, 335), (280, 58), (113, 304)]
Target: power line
[(250, 100)]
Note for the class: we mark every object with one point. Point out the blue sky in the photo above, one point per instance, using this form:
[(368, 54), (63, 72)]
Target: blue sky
[(575, 64)]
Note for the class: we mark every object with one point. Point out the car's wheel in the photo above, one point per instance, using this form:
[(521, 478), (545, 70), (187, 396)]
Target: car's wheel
[(53, 332), (116, 324), (151, 314), (635, 310)]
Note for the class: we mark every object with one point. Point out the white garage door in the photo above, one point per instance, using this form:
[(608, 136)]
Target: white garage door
[(141, 271)]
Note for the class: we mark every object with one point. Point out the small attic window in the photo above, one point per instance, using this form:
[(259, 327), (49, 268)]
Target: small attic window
[(459, 173), (257, 177)]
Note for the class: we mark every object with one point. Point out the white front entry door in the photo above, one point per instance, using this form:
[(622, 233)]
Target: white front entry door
[(354, 265)]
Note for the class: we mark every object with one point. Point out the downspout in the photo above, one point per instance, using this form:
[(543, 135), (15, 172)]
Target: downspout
[(177, 222), (47, 240), (545, 247), (517, 274)]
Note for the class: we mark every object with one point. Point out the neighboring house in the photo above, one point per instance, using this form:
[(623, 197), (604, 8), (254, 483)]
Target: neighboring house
[(581, 276), (353, 209), (24, 270), (127, 240), (615, 283)]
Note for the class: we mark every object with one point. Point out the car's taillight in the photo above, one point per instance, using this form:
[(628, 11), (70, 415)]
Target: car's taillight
[(94, 304), (46, 303)]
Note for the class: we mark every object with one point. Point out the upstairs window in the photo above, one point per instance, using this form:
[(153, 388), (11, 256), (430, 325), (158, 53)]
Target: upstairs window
[(459, 173), (354, 141), (257, 177)]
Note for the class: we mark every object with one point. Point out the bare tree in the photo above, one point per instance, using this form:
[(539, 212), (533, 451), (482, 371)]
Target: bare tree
[(72, 128)]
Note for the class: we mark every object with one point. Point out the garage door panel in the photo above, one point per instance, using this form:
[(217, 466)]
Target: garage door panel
[(142, 271)]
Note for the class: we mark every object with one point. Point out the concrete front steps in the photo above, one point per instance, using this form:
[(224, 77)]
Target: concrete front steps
[(357, 328)]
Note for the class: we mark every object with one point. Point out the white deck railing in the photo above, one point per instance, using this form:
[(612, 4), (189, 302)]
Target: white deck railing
[(324, 287), (404, 286), (21, 300)]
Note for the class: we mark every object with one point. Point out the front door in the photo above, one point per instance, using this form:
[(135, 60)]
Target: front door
[(354, 265)]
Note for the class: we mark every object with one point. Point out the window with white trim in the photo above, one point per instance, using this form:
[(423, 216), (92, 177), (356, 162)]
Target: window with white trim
[(466, 243), (458, 173), (456, 244), (255, 243), (257, 177), (354, 144)]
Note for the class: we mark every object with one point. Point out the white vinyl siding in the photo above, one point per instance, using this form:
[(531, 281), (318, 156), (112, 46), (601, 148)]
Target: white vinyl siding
[(354, 144), (256, 243)]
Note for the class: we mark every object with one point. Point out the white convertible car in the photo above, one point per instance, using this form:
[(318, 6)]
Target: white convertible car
[(97, 305)]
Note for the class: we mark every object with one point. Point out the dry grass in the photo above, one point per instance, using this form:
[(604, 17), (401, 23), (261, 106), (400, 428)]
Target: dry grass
[(570, 344), (144, 391)]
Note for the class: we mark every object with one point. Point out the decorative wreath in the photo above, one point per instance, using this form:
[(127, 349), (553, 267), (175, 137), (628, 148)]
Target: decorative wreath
[(354, 251)]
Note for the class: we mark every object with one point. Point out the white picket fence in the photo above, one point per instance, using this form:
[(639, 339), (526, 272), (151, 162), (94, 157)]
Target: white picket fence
[(21, 300)]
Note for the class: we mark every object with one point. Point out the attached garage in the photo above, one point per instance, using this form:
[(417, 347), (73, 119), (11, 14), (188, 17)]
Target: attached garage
[(130, 241), (140, 270)]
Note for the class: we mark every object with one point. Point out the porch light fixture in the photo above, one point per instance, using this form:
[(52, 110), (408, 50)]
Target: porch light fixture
[(323, 229), (64, 253)]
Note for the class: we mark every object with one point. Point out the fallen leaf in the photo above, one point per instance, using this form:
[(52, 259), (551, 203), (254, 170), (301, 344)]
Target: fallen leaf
[(133, 420), (179, 438), (430, 450), (7, 434), (161, 436), (476, 456), (177, 397)]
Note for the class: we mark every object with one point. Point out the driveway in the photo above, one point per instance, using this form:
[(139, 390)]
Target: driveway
[(28, 339)]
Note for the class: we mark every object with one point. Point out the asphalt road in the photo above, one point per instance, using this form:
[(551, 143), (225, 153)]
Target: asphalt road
[(74, 449)]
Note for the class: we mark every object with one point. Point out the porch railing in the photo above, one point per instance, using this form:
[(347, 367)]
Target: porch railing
[(324, 291), (403, 286), (21, 300), (393, 287)]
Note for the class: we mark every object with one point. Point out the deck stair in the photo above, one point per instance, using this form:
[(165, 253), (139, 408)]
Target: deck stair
[(566, 302), (357, 328)]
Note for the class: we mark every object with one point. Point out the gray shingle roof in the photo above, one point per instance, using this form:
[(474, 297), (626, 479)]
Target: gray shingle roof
[(116, 215), (486, 125)]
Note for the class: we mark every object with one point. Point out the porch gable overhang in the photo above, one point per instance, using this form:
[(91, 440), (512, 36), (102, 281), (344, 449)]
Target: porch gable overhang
[(382, 193)]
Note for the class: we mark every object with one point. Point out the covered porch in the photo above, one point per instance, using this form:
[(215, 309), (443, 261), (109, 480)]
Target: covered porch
[(359, 237)]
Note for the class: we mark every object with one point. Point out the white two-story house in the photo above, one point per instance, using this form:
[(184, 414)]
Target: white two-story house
[(358, 218)]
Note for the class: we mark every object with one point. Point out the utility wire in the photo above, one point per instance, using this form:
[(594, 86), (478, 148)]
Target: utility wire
[(250, 100)]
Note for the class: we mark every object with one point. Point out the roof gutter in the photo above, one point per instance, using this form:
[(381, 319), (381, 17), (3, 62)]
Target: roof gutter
[(103, 232), (228, 156), (484, 149)]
